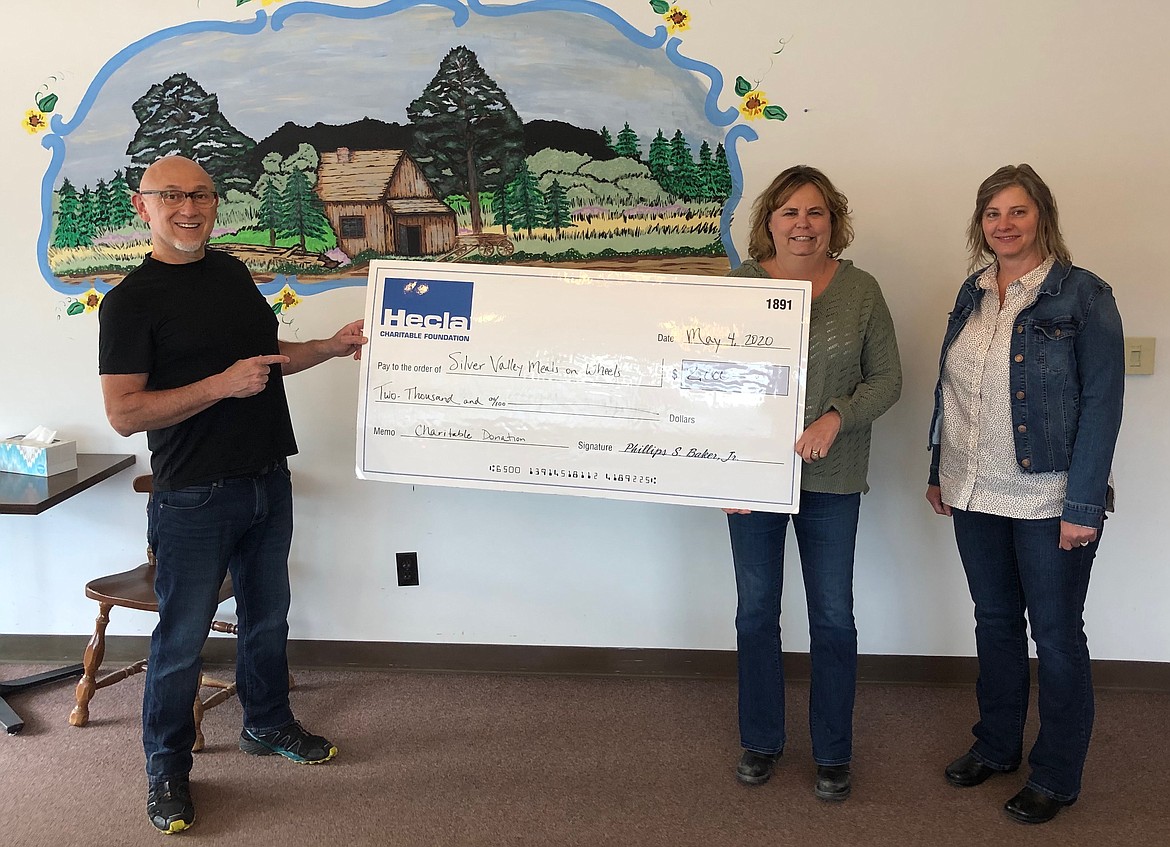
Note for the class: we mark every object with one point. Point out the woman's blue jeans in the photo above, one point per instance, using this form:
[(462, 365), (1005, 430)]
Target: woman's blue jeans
[(198, 534), (1016, 568), (826, 534)]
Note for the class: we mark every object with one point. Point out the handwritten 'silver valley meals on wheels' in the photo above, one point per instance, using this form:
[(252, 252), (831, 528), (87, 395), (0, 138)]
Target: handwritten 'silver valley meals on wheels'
[(675, 389)]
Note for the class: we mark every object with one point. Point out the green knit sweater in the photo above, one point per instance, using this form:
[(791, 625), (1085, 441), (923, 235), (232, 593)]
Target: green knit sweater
[(853, 367)]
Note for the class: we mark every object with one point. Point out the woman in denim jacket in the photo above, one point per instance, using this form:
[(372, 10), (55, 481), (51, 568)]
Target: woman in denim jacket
[(1026, 415)]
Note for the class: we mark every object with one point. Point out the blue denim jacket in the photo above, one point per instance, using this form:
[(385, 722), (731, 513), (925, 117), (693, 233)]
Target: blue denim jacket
[(1067, 380)]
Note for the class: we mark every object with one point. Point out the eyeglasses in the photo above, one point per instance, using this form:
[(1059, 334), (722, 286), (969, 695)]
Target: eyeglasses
[(173, 198)]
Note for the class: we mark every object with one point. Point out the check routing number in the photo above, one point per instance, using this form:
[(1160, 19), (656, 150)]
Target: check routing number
[(667, 388)]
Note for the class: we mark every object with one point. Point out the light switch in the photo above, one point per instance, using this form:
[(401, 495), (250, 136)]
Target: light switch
[(1139, 355)]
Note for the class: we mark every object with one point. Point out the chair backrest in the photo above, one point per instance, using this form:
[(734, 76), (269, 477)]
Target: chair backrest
[(145, 485)]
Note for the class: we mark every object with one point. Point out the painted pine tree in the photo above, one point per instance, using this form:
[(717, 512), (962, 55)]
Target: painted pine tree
[(466, 131), (303, 215), (707, 178), (658, 160), (207, 137), (270, 213), (627, 143), (101, 211), (525, 202), (684, 175), (269, 188), (500, 210), (722, 174), (556, 208), (121, 209), (87, 213), (67, 232), (606, 139)]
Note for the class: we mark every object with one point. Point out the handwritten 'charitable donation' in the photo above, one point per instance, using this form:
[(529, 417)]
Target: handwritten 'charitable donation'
[(674, 389)]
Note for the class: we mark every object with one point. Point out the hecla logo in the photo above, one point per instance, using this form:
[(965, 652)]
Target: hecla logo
[(409, 304)]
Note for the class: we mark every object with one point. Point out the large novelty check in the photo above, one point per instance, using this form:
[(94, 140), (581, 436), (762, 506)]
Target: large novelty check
[(675, 389)]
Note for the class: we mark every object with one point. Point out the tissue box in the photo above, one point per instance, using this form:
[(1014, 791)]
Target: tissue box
[(37, 459)]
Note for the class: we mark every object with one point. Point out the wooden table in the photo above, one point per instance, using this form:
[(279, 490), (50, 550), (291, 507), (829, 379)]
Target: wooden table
[(22, 494)]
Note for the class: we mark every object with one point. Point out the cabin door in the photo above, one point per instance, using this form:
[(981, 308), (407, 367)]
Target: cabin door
[(409, 241)]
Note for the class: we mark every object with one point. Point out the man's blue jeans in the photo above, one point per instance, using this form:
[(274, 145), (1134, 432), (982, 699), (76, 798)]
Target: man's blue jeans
[(198, 534), (1016, 567), (826, 532)]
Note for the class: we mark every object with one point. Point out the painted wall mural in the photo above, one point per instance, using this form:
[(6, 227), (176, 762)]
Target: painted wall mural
[(423, 129)]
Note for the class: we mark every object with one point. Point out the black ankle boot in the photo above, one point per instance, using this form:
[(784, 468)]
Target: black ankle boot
[(833, 782), (755, 768)]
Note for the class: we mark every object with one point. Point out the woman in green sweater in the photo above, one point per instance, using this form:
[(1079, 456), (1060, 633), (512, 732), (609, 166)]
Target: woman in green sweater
[(799, 226)]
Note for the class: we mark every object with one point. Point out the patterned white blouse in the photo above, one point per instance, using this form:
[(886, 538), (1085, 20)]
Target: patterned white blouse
[(978, 471)]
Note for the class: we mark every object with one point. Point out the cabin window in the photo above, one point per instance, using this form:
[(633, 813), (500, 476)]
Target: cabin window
[(353, 226)]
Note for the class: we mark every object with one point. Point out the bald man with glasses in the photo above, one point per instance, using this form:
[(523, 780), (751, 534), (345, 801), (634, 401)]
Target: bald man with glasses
[(188, 353)]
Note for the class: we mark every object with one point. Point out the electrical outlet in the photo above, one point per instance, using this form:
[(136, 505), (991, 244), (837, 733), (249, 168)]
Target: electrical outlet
[(407, 568)]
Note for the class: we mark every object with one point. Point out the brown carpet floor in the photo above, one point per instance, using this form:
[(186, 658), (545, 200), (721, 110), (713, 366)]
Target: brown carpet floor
[(462, 759)]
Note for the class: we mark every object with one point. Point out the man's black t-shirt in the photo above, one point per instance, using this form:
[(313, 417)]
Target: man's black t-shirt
[(179, 324)]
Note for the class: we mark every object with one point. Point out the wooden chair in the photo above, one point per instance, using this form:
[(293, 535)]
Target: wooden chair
[(134, 589)]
